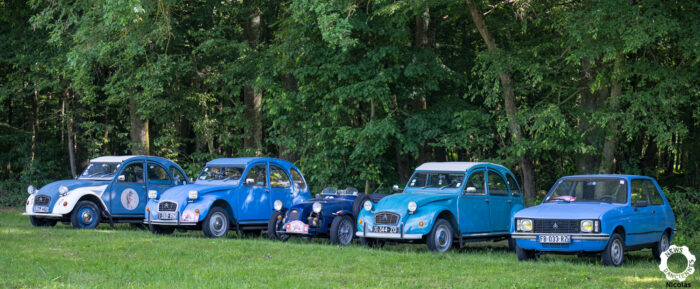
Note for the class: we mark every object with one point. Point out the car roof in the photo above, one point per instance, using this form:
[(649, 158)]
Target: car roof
[(245, 161), (617, 176), (455, 166), (121, 159)]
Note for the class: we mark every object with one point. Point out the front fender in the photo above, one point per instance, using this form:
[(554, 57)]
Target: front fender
[(428, 214), (73, 198), (204, 204)]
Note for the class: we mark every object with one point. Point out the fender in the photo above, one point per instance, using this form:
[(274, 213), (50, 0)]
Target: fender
[(204, 204), (428, 214), (72, 198), (517, 207)]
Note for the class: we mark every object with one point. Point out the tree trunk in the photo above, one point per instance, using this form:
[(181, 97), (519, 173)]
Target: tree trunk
[(421, 103), (587, 162), (608, 162), (68, 119), (511, 109), (35, 124), (139, 130), (252, 96)]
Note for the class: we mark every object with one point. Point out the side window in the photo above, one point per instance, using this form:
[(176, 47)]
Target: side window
[(476, 180), (133, 173), (278, 178), (257, 176), (513, 185), (654, 195), (179, 177), (157, 175), (298, 180), (638, 193), (497, 185)]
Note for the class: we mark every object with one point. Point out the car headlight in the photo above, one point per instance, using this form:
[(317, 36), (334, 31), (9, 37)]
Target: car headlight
[(63, 190), (412, 206), (587, 226), (367, 205), (152, 194), (278, 205), (31, 189), (524, 225), (193, 195), (317, 207)]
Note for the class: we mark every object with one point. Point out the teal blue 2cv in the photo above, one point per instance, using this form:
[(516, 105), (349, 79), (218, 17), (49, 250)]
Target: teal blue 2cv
[(445, 203)]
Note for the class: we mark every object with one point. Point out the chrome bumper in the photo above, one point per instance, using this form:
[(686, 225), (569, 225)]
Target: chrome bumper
[(47, 215), (576, 236), (175, 222)]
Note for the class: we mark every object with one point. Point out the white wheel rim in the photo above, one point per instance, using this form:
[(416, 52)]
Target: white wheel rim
[(218, 224), (616, 251), (664, 243), (443, 238)]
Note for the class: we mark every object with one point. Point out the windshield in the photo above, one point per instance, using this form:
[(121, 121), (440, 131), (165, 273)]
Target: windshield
[(436, 180), (100, 171), (589, 190), (221, 174), (335, 191)]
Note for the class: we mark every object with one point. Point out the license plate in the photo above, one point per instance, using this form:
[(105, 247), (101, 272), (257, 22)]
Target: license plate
[(297, 227), (41, 209), (166, 215), (558, 239), (385, 229)]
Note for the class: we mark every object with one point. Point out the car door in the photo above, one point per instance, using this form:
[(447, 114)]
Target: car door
[(254, 195), (158, 179), (280, 186), (499, 202), (640, 227), (474, 215), (658, 211), (128, 192)]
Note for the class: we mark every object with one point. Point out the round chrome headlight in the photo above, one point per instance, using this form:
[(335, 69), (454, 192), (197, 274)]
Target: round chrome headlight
[(525, 225), (317, 207), (193, 195), (412, 206), (587, 226), (31, 189), (63, 190), (278, 205), (367, 205)]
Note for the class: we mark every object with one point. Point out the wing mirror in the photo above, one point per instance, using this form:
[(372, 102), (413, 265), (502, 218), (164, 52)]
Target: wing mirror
[(250, 182), (395, 188), (641, 204), (191, 180), (121, 178), (471, 190)]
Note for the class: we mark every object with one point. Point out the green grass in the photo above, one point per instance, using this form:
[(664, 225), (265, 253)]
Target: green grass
[(121, 257)]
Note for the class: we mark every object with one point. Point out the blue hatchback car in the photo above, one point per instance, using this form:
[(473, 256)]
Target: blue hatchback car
[(111, 189), (607, 214), (237, 193), (445, 202)]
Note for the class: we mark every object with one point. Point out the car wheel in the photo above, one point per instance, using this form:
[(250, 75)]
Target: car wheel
[(511, 244), (661, 246), (342, 230), (275, 224), (372, 243), (86, 215), (216, 224), (524, 255), (357, 204), (39, 222), (614, 253), (162, 230), (440, 237)]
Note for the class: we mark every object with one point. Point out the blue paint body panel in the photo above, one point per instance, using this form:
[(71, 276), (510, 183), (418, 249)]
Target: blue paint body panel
[(333, 205)]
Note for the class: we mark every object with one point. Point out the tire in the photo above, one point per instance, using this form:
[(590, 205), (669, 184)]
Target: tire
[(357, 204), (440, 237), (511, 244), (372, 243), (85, 215), (216, 224), (40, 222), (273, 225), (661, 246), (162, 230), (342, 230), (614, 253), (524, 255)]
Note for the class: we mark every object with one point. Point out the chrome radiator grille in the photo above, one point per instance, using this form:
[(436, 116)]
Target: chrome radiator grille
[(167, 206), (555, 226), (42, 200), (385, 218)]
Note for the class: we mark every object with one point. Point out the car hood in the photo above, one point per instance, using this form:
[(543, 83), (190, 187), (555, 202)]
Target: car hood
[(329, 205), (51, 189), (563, 210), (180, 194), (398, 203)]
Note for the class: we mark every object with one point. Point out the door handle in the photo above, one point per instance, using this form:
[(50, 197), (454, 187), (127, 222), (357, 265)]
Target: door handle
[(486, 200), (653, 211), (510, 201)]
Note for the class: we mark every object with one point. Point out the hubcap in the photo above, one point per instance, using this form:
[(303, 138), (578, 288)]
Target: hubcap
[(218, 224), (86, 216), (664, 243), (616, 251), (442, 238), (345, 232)]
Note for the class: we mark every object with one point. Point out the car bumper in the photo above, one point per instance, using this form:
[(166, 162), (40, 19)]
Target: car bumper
[(175, 222), (389, 235), (44, 215), (579, 242)]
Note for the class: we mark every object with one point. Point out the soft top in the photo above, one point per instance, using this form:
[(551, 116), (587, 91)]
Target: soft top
[(111, 159), (451, 166), (607, 176), (245, 161)]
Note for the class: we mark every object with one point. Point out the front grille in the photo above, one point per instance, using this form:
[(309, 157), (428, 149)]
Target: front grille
[(555, 226), (42, 200), (167, 206), (385, 218), (293, 215)]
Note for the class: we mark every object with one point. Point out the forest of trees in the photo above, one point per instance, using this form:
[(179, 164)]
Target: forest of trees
[(355, 92)]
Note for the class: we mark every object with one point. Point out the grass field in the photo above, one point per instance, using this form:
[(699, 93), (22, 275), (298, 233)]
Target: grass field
[(119, 257)]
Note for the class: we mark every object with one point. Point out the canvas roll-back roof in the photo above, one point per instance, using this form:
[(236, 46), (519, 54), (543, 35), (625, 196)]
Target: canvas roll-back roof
[(245, 161), (111, 159), (450, 166)]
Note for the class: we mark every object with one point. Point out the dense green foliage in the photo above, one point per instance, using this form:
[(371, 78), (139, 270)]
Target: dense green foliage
[(354, 92)]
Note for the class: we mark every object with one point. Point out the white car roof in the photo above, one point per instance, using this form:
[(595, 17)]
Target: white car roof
[(111, 159), (448, 166)]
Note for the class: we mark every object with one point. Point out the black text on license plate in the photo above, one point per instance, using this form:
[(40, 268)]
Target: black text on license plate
[(166, 215), (41, 209), (385, 229), (558, 239)]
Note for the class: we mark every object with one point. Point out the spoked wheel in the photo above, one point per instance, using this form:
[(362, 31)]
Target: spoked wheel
[(86, 215), (342, 230), (440, 238), (274, 225), (661, 246), (216, 224), (614, 253)]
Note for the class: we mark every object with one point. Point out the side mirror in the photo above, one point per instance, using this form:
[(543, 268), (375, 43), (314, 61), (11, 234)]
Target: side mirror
[(395, 188), (191, 180), (641, 204), (250, 182), (121, 178), (471, 190)]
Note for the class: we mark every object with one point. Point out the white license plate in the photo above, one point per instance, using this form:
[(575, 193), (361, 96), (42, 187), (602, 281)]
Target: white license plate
[(557, 239), (41, 209), (297, 227), (385, 229), (166, 215)]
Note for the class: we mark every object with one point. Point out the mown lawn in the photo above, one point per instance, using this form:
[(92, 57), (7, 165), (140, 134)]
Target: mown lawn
[(120, 257)]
